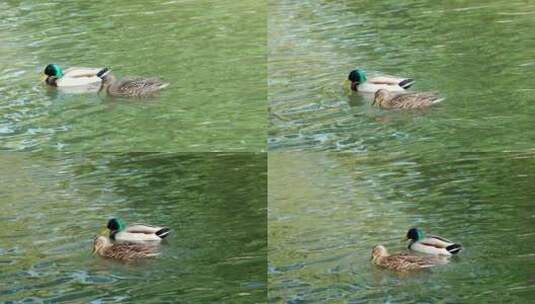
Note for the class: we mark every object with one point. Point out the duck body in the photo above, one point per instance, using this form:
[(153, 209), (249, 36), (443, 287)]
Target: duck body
[(73, 79), (432, 244), (126, 252), (130, 87), (388, 100), (369, 87), (401, 262), (361, 83), (138, 233)]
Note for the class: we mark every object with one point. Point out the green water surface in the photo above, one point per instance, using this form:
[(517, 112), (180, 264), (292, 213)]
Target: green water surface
[(53, 205), (479, 55), (323, 227), (213, 54)]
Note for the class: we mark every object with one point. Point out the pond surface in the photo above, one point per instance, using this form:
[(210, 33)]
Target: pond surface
[(53, 205), (321, 229), (212, 52), (479, 55)]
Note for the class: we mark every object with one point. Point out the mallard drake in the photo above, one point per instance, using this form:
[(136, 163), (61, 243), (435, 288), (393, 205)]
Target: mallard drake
[(431, 244), (72, 77), (130, 87), (136, 232), (401, 261), (359, 82), (123, 251), (388, 100)]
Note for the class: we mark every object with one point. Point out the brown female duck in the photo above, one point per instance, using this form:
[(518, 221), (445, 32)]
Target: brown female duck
[(402, 261), (417, 100), (130, 87), (123, 251)]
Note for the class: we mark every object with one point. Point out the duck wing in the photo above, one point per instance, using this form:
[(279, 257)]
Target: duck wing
[(391, 80), (436, 241), (140, 86), (450, 246), (161, 232), (142, 228), (415, 100), (131, 251), (136, 237), (81, 72), (403, 262)]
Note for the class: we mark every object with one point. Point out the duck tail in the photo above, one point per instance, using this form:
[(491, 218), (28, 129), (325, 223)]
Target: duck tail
[(162, 233), (438, 100), (454, 249), (102, 73), (406, 83)]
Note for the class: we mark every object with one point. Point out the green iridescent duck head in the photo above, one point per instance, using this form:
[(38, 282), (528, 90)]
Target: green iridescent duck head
[(357, 76), (116, 224), (415, 234), (53, 70)]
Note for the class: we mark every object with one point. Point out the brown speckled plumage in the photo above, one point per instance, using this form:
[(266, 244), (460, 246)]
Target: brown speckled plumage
[(123, 251), (417, 100), (131, 87), (402, 261)]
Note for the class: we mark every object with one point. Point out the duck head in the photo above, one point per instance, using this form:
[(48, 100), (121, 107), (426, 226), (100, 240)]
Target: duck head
[(415, 234), (357, 76), (378, 251), (100, 243), (381, 96), (115, 225), (53, 70)]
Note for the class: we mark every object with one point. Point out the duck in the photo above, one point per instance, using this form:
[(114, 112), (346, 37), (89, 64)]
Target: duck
[(432, 244), (402, 262), (135, 233), (360, 83), (129, 87), (417, 100), (71, 77), (125, 252)]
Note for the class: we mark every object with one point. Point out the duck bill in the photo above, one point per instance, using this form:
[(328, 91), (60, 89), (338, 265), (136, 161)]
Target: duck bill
[(42, 76), (104, 231)]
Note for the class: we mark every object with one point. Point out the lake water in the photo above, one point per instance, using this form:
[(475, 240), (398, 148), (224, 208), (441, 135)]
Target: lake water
[(53, 205), (321, 229), (212, 52), (343, 176), (477, 54), (463, 169)]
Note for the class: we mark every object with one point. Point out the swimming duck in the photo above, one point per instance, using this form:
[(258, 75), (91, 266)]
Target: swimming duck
[(71, 77), (126, 252), (130, 87), (388, 100), (431, 244), (359, 82), (401, 261), (136, 232)]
